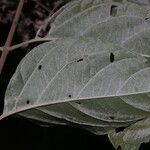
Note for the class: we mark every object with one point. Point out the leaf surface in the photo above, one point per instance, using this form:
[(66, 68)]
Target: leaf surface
[(96, 75)]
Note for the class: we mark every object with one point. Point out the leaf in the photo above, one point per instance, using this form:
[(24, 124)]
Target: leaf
[(35, 114), (137, 84), (129, 9), (117, 141), (95, 75), (73, 9), (117, 29), (139, 42), (140, 2), (138, 132), (78, 23), (130, 137)]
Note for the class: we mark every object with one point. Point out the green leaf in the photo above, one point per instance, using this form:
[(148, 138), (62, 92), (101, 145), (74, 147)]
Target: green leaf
[(117, 141), (96, 75), (138, 132), (131, 136)]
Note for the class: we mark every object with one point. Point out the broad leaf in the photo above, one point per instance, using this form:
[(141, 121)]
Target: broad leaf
[(96, 75)]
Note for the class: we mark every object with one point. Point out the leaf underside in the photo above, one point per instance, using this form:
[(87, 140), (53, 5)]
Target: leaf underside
[(96, 75)]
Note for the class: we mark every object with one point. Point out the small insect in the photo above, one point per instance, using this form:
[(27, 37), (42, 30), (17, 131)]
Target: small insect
[(112, 57)]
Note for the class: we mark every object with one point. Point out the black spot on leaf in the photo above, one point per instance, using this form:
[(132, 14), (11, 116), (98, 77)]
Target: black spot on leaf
[(40, 67), (27, 101), (69, 96), (112, 117), (112, 57), (80, 60), (78, 102)]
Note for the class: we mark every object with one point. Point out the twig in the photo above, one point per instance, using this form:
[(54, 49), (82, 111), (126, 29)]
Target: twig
[(43, 6), (10, 35), (28, 42)]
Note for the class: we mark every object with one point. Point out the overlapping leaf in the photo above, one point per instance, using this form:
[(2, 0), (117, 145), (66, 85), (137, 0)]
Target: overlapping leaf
[(96, 75)]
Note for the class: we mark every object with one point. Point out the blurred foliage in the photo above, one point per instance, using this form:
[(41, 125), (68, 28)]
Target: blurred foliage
[(32, 17)]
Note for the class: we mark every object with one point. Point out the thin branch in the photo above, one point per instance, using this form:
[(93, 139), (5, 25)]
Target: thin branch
[(10, 35), (28, 42)]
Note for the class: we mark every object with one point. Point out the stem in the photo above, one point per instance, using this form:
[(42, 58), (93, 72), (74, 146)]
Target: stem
[(28, 42), (10, 35)]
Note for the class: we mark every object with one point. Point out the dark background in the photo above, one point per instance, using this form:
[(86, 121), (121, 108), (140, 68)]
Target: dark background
[(20, 133)]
